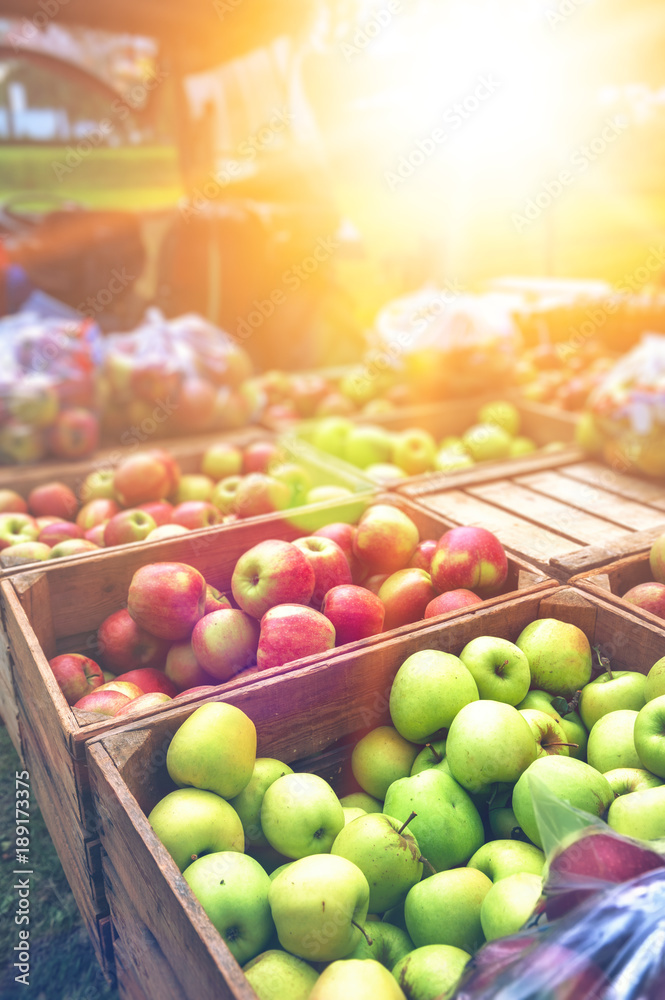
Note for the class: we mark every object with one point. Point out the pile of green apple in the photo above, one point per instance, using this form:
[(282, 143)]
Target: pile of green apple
[(387, 455), (388, 891)]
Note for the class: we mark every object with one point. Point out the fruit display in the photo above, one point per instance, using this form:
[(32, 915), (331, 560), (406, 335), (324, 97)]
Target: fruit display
[(563, 374), (146, 497), (440, 854), (48, 391), (287, 600), (386, 455)]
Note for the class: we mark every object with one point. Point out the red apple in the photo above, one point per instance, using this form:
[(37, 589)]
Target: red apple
[(258, 456), (280, 413), (195, 404), (166, 531), (61, 531), (102, 702), (272, 572), (17, 528), (54, 500), (355, 612), (77, 675), (258, 494), (125, 646), (95, 512), (470, 559), (194, 514), (150, 680), (184, 669), (22, 553), (385, 539), (330, 565), (450, 601), (131, 525), (307, 392), (124, 687), (224, 642), (199, 689), (12, 503), (74, 434), (96, 534), (232, 409), (41, 522), (656, 557), (344, 534), (405, 595), (72, 547), (143, 703), (170, 464), (648, 597), (160, 511), (291, 631), (167, 599), (216, 601), (422, 557), (142, 477)]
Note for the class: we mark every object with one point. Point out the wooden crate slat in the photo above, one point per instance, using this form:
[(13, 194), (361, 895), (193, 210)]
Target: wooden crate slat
[(616, 482), (8, 706), (589, 497), (485, 472), (599, 555), (581, 527), (514, 532)]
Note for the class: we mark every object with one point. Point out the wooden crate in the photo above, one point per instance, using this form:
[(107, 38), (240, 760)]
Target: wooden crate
[(544, 424), (612, 581), (310, 716), (561, 514), (50, 612)]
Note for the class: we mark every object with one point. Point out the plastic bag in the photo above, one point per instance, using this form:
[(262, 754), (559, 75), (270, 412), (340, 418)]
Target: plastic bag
[(598, 932)]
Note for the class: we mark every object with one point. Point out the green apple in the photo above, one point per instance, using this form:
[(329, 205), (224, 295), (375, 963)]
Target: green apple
[(389, 944), (575, 731), (487, 442), (447, 460), (489, 741), (191, 823), (248, 803), (330, 434), (323, 494), (414, 451), (353, 813), (193, 486), (655, 682), (279, 870), (276, 975), (499, 668), (611, 741), (432, 755), (387, 855), (318, 904), (559, 656), (577, 783), (356, 978), (214, 749), (624, 689), (503, 823), (362, 800), (301, 815), (453, 443), (395, 917), (296, 477), (640, 814), (588, 435), (384, 472), (509, 904), (499, 858), (367, 445), (233, 890), (625, 780), (549, 735), (432, 971), (539, 701), (381, 757), (503, 414), (650, 736), (428, 691), (221, 460), (445, 909), (447, 825), (521, 446)]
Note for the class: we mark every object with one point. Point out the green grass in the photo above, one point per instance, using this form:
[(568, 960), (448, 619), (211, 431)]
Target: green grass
[(63, 965)]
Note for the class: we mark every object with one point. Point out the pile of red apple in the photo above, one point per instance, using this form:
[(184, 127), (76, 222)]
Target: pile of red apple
[(650, 596), (145, 497), (442, 844), (563, 374), (288, 600)]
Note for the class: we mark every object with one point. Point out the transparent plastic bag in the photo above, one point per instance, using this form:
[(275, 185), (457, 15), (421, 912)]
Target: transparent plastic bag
[(598, 932)]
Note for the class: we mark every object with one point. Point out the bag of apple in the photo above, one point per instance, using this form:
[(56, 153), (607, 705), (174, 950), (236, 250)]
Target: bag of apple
[(598, 931), (48, 387)]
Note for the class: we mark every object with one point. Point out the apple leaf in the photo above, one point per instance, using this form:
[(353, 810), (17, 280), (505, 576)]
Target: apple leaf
[(560, 705)]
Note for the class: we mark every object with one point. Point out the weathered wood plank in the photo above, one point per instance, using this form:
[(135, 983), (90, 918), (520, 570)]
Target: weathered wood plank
[(588, 497)]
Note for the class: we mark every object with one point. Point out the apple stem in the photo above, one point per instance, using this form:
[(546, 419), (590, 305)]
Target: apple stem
[(557, 744), (364, 933), (603, 662), (406, 822), (436, 753), (428, 864)]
